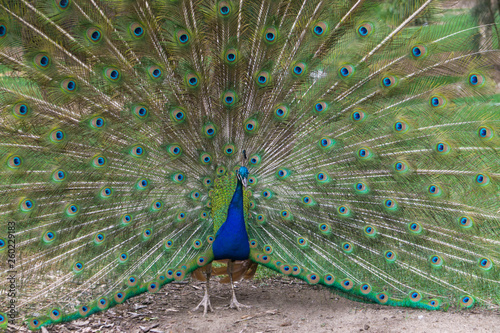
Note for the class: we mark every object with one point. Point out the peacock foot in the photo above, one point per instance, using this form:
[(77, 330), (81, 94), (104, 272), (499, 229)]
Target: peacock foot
[(206, 305), (237, 305)]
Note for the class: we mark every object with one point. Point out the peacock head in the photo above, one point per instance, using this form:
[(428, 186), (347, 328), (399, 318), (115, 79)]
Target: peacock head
[(243, 175)]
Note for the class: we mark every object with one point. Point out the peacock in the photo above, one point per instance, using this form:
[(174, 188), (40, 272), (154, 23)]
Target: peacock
[(352, 144)]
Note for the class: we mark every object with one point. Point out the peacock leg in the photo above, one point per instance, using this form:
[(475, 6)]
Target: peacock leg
[(234, 302), (206, 299)]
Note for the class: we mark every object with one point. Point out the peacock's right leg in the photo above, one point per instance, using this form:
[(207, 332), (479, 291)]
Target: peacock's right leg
[(234, 302), (206, 298)]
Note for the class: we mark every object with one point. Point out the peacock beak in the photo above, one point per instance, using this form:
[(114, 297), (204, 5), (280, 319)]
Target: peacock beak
[(244, 181)]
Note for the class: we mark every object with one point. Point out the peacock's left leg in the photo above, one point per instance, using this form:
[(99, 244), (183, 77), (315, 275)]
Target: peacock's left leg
[(206, 299), (234, 302)]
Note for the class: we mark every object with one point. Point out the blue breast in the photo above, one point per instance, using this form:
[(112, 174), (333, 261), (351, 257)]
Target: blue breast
[(231, 240)]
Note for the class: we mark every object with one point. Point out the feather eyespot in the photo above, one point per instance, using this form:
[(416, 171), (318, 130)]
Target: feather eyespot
[(3, 30), (401, 126), (106, 192), (347, 247), (326, 143), (174, 150), (401, 167), (465, 222), (485, 264), (322, 177), (142, 184), (251, 126), (232, 56), (62, 4), (157, 205), (281, 112), (419, 51), (94, 35), (390, 256), (229, 150), (99, 238), (59, 175), (282, 173), (72, 210), (99, 161), (136, 30), (442, 148), (344, 210), (347, 284), (205, 158), (364, 153), (476, 80), (391, 204), (123, 257), (364, 30), (466, 301), (209, 130), (69, 86), (57, 136), (365, 288), (299, 69), (195, 195), (415, 296), (147, 233), (415, 228), (261, 219), (112, 74), (262, 79), (270, 35), (308, 201), (182, 37), (389, 81), (370, 231), (285, 214), (255, 160), (154, 72), (361, 188), (126, 219), (320, 107), (437, 101), (320, 29), (436, 261), (49, 237), (482, 179), (346, 71), (485, 133), (229, 98), (434, 190), (78, 267), (192, 80), (42, 61), (329, 279), (303, 242), (224, 8), (137, 151), (97, 122), (382, 298), (15, 162), (178, 115), (221, 170), (26, 205), (140, 111), (20, 110)]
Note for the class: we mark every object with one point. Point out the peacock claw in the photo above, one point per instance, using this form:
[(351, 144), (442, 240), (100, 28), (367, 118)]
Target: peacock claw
[(237, 305), (206, 305)]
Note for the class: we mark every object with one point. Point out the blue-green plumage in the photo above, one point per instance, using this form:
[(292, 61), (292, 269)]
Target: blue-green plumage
[(231, 240)]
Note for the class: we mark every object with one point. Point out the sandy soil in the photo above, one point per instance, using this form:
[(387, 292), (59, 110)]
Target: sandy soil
[(278, 305)]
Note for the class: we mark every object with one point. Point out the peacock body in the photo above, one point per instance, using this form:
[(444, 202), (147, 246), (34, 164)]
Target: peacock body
[(334, 141)]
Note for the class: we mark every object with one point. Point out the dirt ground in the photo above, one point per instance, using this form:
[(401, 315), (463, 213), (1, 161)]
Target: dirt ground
[(278, 305)]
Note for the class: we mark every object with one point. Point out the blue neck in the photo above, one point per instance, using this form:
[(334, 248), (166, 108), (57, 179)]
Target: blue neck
[(231, 241)]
